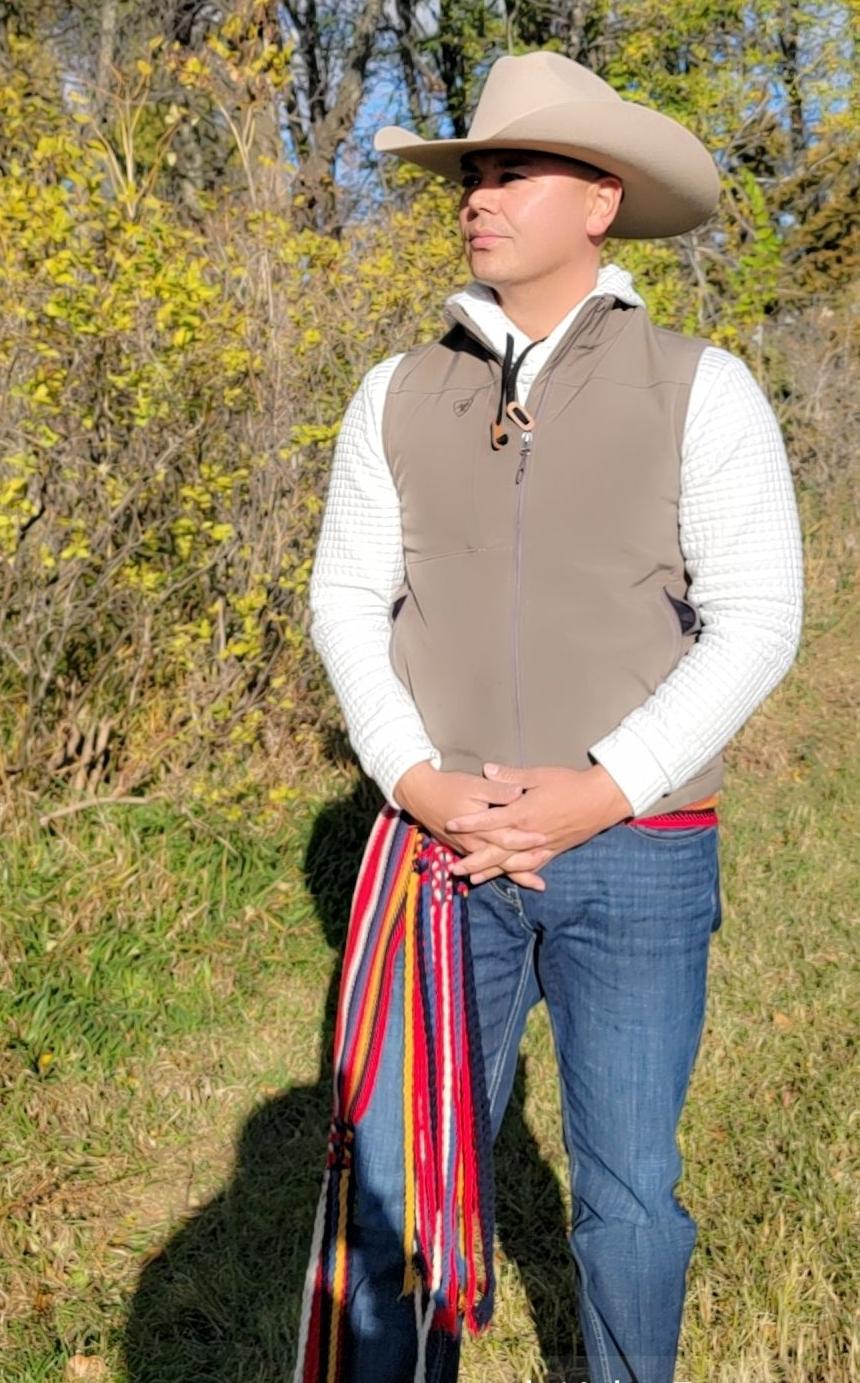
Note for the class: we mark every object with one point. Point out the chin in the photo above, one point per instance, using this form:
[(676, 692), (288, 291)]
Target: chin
[(484, 266)]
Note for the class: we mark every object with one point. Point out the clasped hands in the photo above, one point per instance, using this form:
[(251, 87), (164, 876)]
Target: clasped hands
[(512, 820)]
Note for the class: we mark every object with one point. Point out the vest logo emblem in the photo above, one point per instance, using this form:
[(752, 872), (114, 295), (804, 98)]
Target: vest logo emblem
[(461, 405)]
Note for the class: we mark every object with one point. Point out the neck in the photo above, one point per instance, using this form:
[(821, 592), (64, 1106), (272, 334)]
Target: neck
[(537, 307)]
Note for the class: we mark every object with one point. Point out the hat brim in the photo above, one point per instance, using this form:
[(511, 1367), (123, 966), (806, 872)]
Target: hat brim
[(671, 183)]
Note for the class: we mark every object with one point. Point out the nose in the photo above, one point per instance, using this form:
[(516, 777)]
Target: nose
[(483, 197)]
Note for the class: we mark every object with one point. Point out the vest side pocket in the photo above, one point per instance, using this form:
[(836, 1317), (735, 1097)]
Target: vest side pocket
[(688, 616), (399, 600), (668, 606)]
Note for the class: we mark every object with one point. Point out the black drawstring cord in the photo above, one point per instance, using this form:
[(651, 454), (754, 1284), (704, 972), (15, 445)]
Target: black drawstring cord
[(506, 365), (508, 392)]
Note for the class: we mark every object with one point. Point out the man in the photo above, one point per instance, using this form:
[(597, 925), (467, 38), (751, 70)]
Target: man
[(559, 567)]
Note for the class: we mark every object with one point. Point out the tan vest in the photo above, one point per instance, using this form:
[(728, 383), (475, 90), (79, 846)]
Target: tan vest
[(545, 593)]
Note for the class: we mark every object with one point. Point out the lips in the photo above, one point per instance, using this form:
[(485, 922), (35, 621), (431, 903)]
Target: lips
[(479, 238)]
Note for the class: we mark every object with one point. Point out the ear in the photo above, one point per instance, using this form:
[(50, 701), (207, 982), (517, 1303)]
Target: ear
[(603, 200)]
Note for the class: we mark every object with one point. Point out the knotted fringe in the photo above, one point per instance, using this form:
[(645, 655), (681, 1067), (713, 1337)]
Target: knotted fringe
[(406, 896)]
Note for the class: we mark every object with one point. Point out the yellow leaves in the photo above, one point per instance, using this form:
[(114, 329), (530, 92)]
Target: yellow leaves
[(44, 436), (78, 545), (218, 46), (190, 71), (248, 728), (309, 434), (281, 794), (238, 362), (144, 68), (241, 648), (144, 577), (220, 532), (300, 577), (248, 642), (193, 632), (22, 461), (183, 530), (41, 394), (16, 507), (250, 602)]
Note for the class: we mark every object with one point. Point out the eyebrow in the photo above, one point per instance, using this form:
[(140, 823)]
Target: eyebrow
[(467, 164)]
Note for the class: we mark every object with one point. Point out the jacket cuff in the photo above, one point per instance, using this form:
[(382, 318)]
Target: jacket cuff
[(636, 771), (389, 773)]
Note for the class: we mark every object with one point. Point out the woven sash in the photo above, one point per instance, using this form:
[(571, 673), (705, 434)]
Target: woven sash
[(406, 897)]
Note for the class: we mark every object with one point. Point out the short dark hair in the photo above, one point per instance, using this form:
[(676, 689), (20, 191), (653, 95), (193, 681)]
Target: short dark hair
[(589, 169), (580, 164)]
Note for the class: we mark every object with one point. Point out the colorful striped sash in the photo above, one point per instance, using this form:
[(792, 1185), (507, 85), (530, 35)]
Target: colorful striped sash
[(405, 896)]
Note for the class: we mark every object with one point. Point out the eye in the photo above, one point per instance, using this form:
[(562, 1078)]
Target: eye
[(472, 179)]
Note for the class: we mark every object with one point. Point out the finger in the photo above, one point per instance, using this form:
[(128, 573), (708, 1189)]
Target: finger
[(493, 873), (481, 859), (508, 773), (522, 877), (527, 880), (493, 820), (526, 877), (512, 838), (500, 793)]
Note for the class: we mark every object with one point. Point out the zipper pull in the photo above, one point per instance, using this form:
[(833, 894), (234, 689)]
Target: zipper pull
[(524, 456)]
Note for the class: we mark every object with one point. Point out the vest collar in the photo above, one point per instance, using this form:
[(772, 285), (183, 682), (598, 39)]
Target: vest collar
[(475, 309)]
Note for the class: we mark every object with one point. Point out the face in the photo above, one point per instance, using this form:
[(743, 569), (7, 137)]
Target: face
[(524, 215)]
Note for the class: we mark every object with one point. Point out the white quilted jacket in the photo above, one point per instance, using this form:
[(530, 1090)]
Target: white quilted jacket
[(739, 533)]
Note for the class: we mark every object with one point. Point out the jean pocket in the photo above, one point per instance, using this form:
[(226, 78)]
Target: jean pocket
[(503, 887)]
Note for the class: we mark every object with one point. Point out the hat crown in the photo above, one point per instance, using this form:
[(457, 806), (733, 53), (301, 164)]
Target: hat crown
[(518, 85)]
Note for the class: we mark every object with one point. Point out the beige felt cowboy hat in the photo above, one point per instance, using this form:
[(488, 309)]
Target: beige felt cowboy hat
[(543, 100)]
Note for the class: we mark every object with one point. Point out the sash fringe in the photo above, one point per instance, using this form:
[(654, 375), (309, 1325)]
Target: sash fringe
[(405, 896)]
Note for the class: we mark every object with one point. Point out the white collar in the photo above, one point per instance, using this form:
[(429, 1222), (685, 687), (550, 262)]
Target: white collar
[(479, 302)]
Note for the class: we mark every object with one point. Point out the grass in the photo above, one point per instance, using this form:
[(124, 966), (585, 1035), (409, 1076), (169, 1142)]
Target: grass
[(168, 990)]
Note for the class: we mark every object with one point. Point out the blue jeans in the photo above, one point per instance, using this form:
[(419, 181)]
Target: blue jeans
[(618, 947)]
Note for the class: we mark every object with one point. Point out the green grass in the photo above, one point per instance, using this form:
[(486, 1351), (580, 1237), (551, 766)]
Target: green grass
[(167, 1002)]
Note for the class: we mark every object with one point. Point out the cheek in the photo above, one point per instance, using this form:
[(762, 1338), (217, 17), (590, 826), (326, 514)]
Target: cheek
[(550, 223), (551, 238)]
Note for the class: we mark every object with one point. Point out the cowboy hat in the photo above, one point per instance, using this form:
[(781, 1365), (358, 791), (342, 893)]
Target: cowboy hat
[(545, 101)]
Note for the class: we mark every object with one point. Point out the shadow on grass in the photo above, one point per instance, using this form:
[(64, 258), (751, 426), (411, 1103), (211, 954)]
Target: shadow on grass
[(220, 1303)]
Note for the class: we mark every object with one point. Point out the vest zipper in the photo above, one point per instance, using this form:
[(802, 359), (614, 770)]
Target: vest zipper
[(524, 456), (525, 451), (544, 374)]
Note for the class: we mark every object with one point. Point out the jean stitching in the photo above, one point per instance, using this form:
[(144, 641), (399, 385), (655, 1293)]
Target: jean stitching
[(514, 900), (498, 1066)]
